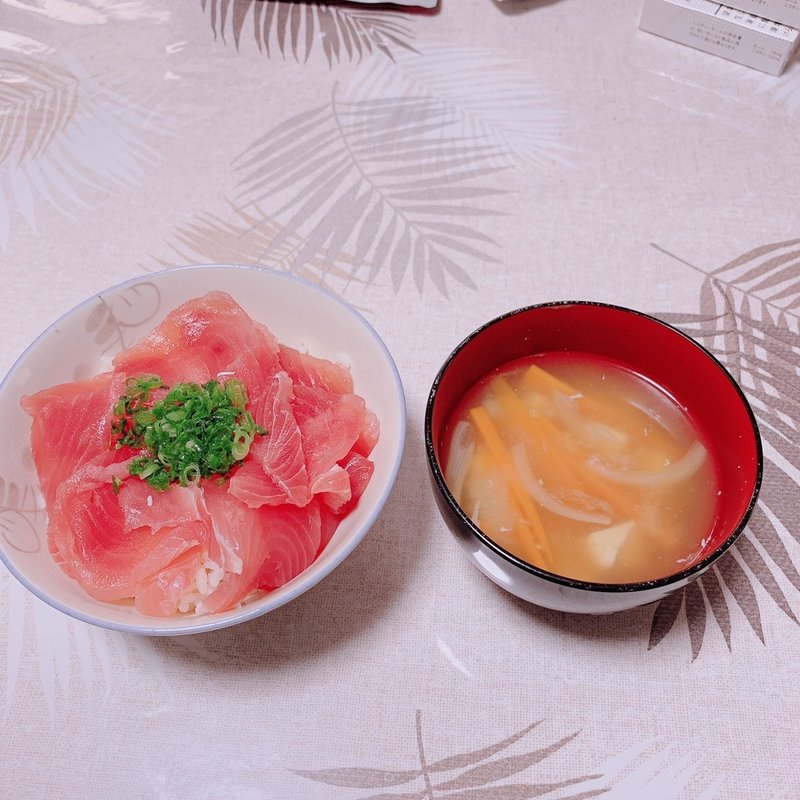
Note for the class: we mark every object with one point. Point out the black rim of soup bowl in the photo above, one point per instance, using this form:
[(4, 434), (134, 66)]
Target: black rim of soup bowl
[(574, 583)]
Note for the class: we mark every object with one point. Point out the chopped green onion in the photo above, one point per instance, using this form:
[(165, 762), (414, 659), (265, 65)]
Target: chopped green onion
[(190, 474), (192, 432)]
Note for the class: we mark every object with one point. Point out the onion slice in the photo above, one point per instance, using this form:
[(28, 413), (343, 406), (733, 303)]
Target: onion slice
[(458, 459), (679, 471), (543, 497), (597, 435)]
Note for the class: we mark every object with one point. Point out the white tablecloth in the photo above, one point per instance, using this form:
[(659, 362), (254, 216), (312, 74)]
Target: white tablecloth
[(588, 160)]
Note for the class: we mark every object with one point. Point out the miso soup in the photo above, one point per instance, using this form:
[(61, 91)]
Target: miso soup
[(584, 468)]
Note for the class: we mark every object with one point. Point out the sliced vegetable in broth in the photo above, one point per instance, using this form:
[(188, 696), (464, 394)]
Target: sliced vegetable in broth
[(581, 467)]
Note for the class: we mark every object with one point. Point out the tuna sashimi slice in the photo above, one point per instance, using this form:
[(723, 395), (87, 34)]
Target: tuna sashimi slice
[(240, 528), (329, 522), (184, 368), (336, 505), (142, 506), (308, 370), (256, 488), (330, 425), (256, 366), (293, 536), (276, 470), (160, 595), (274, 544), (333, 487), (85, 531), (369, 435), (360, 470), (211, 330), (71, 426)]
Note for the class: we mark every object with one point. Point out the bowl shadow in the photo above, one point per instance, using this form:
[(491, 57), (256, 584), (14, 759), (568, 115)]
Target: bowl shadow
[(617, 626)]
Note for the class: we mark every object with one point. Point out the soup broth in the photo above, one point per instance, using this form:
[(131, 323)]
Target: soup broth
[(583, 468)]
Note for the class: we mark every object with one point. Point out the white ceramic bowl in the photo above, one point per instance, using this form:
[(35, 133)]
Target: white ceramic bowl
[(82, 343)]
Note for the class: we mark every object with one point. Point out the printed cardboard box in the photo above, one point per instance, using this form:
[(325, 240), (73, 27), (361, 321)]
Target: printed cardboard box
[(786, 12), (722, 31)]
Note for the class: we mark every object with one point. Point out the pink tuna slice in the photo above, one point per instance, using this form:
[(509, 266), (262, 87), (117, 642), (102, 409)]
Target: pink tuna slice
[(360, 470), (274, 543), (333, 487), (369, 434), (85, 531), (185, 367), (209, 331), (143, 506), (330, 425), (255, 366), (159, 596), (293, 536), (308, 370), (341, 486), (329, 522), (275, 471), (71, 426)]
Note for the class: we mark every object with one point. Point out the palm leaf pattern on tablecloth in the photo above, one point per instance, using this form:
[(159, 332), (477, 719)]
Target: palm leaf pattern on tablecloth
[(494, 97), (395, 174), (244, 236), (71, 659), (296, 29), (62, 135), (393, 179), (37, 105), (474, 775), (508, 770), (749, 319)]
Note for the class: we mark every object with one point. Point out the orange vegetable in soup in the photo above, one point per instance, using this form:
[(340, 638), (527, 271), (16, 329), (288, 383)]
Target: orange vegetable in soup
[(583, 468)]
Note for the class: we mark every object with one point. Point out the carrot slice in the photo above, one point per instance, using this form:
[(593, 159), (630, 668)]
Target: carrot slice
[(511, 531), (541, 428), (488, 431), (541, 431), (544, 381)]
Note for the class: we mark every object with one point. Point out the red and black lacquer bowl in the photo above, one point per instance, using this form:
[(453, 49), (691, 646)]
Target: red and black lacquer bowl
[(647, 346)]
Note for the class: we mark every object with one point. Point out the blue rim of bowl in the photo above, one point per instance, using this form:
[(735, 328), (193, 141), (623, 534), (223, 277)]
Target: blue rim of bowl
[(262, 605), (573, 583)]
